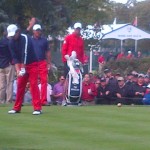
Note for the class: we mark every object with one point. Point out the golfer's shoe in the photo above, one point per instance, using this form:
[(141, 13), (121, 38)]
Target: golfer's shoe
[(36, 112), (13, 111), (80, 104)]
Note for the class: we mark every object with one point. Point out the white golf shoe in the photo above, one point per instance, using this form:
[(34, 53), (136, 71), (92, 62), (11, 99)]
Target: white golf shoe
[(13, 111), (36, 112)]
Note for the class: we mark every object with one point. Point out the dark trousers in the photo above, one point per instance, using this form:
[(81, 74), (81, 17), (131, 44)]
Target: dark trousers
[(66, 69)]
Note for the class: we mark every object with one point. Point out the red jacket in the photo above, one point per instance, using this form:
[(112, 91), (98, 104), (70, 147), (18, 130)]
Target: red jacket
[(71, 43), (101, 59), (129, 56), (85, 87), (120, 56)]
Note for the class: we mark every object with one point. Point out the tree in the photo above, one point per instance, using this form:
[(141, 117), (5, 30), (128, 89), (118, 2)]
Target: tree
[(3, 19), (56, 15)]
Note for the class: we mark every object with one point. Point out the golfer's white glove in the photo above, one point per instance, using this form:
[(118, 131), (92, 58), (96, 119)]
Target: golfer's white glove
[(22, 72)]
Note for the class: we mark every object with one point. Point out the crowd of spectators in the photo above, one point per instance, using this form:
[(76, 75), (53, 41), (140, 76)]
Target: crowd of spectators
[(104, 57), (124, 54), (109, 89), (132, 89)]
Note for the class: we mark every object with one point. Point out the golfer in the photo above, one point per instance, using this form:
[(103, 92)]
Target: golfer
[(26, 68)]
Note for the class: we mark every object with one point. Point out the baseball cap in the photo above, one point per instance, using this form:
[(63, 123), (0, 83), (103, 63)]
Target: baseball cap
[(135, 75), (37, 27), (146, 76), (11, 30), (134, 72), (148, 86), (120, 78), (107, 71), (129, 52), (77, 25), (103, 79), (141, 75)]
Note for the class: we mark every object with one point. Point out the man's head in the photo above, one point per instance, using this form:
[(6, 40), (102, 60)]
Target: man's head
[(146, 79), (13, 31), (140, 78), (77, 27), (139, 53), (108, 72), (129, 52), (120, 81), (129, 76), (62, 79), (103, 81), (97, 83), (87, 78), (37, 30)]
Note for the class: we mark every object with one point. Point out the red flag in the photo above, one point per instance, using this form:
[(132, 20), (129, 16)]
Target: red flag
[(135, 22)]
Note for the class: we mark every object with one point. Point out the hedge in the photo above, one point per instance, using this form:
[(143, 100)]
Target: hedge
[(125, 66)]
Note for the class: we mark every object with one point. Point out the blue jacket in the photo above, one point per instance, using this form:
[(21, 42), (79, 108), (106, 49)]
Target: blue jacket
[(5, 55), (40, 47), (17, 48), (146, 99)]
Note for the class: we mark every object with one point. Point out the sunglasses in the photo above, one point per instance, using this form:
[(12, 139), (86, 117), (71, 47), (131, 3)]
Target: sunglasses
[(120, 80)]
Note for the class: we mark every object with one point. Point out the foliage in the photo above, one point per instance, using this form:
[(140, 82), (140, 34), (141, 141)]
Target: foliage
[(3, 19), (88, 11), (57, 15), (125, 66)]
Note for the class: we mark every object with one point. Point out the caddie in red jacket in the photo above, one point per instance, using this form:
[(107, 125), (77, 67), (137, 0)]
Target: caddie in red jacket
[(73, 42)]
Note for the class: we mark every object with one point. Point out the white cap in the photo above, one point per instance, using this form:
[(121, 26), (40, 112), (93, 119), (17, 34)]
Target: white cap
[(129, 52), (11, 30), (77, 25), (141, 75), (120, 78), (37, 27), (148, 86)]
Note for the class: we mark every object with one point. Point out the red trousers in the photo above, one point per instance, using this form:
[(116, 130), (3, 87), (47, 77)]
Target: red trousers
[(32, 77), (43, 72)]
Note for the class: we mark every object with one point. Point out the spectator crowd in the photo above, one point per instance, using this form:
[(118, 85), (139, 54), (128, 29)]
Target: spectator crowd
[(109, 89)]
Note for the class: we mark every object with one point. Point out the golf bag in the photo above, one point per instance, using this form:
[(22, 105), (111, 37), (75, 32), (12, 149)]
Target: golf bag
[(73, 80)]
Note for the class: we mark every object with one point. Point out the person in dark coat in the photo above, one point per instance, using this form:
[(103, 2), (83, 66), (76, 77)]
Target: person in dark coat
[(123, 92), (103, 93), (139, 90)]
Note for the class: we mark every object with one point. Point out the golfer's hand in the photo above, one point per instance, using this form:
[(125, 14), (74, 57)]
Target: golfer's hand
[(22, 72), (49, 66)]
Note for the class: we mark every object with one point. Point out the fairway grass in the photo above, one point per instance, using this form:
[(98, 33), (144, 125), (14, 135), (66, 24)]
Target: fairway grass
[(76, 128)]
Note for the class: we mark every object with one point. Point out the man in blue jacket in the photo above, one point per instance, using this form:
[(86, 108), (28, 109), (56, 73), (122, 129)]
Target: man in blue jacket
[(26, 67), (42, 52), (7, 70)]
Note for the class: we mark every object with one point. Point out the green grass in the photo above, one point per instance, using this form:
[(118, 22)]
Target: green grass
[(76, 128)]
